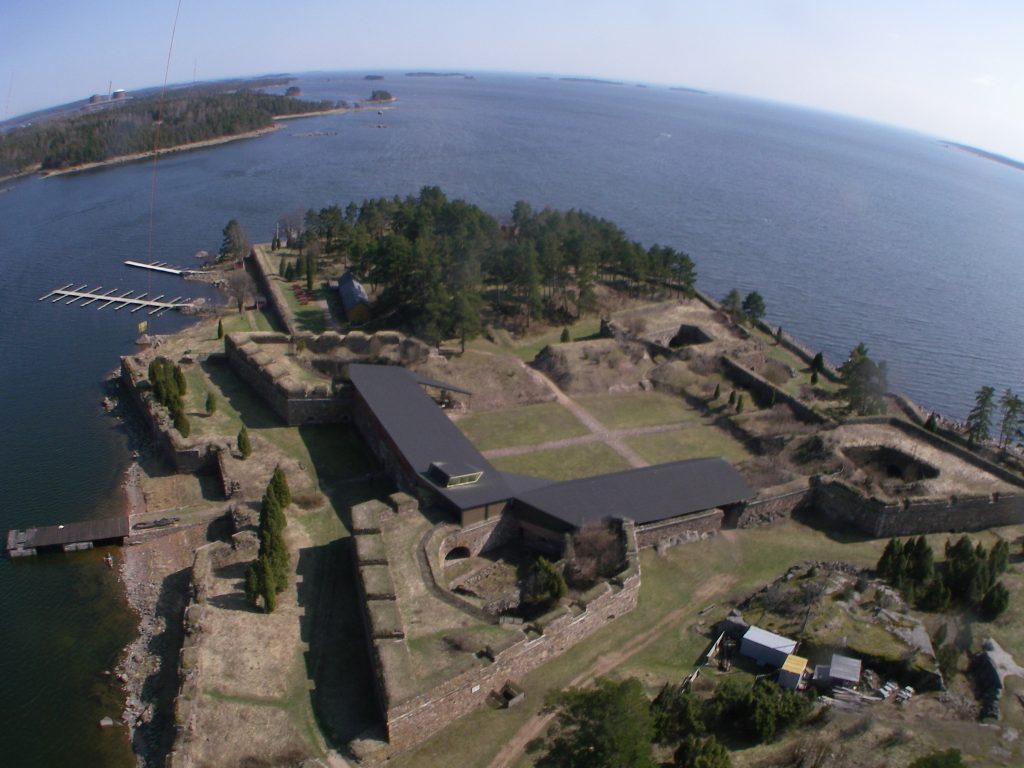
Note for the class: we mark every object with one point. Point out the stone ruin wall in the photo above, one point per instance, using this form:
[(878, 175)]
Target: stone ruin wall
[(838, 503), (680, 530), (186, 457), (416, 719), (765, 511)]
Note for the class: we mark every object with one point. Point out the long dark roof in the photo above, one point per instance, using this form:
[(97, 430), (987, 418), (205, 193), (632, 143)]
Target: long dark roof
[(423, 433), (644, 495)]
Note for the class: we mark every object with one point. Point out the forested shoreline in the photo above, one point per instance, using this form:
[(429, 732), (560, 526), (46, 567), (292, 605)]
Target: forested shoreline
[(439, 266), (139, 126)]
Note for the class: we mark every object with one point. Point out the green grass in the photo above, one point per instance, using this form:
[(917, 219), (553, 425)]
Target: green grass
[(565, 463), (235, 323), (528, 347), (524, 425), (688, 443), (308, 317), (638, 409)]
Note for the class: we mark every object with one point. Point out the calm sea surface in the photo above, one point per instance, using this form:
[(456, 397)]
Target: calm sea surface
[(851, 231)]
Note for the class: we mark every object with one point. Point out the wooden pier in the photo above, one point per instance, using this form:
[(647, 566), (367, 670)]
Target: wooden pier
[(161, 266), (137, 301), (69, 537)]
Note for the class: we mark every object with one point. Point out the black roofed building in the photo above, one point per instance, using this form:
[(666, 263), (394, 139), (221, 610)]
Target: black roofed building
[(427, 454)]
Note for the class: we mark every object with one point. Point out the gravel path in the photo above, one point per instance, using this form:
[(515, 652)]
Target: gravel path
[(613, 438)]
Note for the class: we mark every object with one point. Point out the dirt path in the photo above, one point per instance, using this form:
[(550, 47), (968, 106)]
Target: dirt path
[(609, 437), (594, 437)]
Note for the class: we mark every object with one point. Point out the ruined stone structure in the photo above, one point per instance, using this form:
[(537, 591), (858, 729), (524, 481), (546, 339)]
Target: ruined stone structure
[(413, 719)]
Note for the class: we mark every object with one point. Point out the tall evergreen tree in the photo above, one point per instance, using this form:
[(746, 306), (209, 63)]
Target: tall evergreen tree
[(865, 382), (979, 420), (1010, 406), (244, 446)]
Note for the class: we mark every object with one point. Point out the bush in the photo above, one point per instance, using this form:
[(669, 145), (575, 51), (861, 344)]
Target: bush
[(948, 759), (597, 552), (565, 338), (244, 446), (545, 585)]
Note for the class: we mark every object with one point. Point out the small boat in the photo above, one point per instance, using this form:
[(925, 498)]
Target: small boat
[(109, 560)]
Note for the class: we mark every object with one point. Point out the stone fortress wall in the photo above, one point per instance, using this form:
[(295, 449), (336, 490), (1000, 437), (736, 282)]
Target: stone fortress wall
[(413, 720)]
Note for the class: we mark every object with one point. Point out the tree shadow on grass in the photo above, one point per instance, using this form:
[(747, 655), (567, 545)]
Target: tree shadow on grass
[(807, 515), (338, 661)]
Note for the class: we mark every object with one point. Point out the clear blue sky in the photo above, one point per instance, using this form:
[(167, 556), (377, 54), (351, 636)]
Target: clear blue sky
[(950, 68)]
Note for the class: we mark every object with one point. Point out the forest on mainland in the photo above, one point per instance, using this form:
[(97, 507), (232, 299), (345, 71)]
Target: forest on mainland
[(138, 125)]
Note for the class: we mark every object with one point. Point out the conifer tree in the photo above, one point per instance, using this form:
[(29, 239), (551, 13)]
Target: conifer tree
[(739, 404), (244, 446), (220, 329), (279, 487), (718, 392), (211, 403)]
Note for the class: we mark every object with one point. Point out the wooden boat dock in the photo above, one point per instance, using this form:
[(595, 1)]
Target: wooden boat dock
[(161, 266), (69, 537), (139, 301)]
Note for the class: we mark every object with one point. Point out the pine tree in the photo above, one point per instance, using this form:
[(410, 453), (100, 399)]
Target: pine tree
[(220, 329), (732, 397), (718, 392), (932, 424), (179, 380), (211, 403), (995, 601), (253, 585), (979, 420), (818, 363), (814, 378), (244, 446), (739, 404), (181, 422), (566, 338), (279, 487)]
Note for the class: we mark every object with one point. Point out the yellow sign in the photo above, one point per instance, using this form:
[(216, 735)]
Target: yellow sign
[(143, 326)]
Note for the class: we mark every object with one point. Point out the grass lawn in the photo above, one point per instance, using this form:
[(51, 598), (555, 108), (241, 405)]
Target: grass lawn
[(690, 442), (565, 463), (638, 409), (524, 425), (308, 317)]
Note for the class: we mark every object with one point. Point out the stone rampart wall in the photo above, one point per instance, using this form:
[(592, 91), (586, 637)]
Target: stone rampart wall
[(318, 406), (270, 285), (766, 510), (680, 530), (837, 503), (762, 389)]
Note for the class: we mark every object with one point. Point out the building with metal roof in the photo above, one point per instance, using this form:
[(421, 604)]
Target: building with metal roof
[(791, 674), (354, 299), (766, 648), (427, 453), (841, 670)]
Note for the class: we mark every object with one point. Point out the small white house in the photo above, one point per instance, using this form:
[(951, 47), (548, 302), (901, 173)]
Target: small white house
[(766, 648)]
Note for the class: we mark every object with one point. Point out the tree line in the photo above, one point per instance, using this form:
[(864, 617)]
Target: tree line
[(614, 725), (439, 264), (268, 576), (968, 577), (132, 127)]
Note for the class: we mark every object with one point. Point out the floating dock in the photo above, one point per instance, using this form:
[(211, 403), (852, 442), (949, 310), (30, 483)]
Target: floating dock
[(137, 301), (161, 266), (69, 537)]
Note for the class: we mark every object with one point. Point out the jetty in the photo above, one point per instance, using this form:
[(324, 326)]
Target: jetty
[(69, 537), (162, 266), (137, 301)]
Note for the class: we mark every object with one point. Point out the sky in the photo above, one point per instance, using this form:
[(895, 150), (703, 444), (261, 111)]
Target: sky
[(949, 68)]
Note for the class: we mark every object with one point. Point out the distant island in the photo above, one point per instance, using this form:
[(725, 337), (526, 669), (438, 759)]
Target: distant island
[(373, 77), (688, 90), (440, 74), (379, 97), (596, 80), (129, 128), (1002, 159)]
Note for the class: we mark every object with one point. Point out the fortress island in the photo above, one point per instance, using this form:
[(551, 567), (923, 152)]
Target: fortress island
[(388, 503)]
